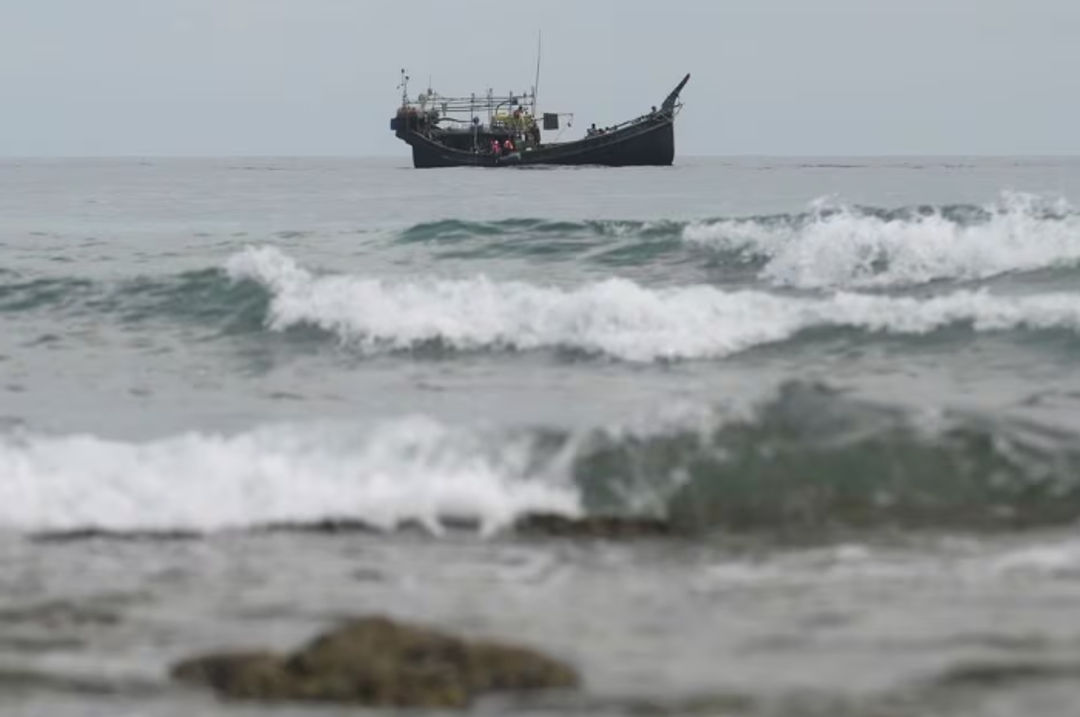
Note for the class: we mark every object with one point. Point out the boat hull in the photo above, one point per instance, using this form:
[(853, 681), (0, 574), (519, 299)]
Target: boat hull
[(650, 142)]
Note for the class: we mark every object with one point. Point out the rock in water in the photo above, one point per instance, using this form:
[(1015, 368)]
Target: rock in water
[(609, 527), (375, 661), (252, 675)]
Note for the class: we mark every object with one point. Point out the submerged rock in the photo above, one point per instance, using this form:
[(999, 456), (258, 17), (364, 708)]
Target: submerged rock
[(378, 662)]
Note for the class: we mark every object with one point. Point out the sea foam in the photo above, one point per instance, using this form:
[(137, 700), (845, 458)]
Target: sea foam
[(410, 469), (844, 246), (614, 317)]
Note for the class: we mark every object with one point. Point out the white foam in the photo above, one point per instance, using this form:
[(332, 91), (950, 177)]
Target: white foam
[(616, 317), (845, 247), (1059, 558), (406, 470)]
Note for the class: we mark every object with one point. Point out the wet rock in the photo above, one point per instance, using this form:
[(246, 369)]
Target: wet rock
[(378, 662), (342, 526), (330, 526), (81, 534), (596, 526), (239, 675)]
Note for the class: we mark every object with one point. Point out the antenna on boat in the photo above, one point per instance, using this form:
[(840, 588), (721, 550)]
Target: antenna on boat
[(536, 85)]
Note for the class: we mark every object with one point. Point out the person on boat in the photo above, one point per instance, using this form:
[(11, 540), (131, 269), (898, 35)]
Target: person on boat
[(508, 145), (591, 131), (495, 147)]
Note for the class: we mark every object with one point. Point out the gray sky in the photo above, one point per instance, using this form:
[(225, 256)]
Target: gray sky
[(299, 77)]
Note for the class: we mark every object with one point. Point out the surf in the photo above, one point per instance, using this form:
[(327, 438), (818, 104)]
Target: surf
[(617, 318)]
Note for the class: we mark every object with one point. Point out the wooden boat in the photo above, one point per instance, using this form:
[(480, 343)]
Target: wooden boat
[(450, 132)]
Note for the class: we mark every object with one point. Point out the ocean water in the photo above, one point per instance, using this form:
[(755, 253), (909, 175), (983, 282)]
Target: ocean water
[(851, 386)]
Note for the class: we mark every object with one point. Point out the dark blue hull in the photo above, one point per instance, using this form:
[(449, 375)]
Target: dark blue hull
[(650, 143)]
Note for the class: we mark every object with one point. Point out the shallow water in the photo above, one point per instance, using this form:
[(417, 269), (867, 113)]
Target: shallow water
[(850, 383)]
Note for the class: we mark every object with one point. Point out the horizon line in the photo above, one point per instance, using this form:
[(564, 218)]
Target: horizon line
[(405, 157)]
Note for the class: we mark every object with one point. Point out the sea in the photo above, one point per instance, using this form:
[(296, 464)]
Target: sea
[(242, 400)]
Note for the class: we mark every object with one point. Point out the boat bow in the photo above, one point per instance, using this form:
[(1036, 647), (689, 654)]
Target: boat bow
[(669, 103)]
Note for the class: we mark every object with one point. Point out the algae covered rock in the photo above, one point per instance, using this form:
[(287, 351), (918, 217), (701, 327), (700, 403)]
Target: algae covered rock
[(379, 662)]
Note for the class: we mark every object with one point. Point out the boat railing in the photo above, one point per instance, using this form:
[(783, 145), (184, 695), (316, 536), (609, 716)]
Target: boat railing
[(471, 106), (653, 114)]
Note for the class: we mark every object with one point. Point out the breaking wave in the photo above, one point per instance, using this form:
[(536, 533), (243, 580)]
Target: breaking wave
[(831, 245), (808, 459), (411, 470), (844, 246), (617, 317)]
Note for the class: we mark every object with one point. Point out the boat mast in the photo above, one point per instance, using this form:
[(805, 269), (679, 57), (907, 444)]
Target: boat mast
[(536, 85)]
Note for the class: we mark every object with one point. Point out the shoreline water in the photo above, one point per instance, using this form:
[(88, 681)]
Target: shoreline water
[(815, 421)]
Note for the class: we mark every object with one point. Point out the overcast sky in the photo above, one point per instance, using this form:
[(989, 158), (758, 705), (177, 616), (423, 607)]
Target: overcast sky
[(303, 77)]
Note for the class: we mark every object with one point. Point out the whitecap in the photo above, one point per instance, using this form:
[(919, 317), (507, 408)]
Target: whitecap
[(843, 246), (614, 317)]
